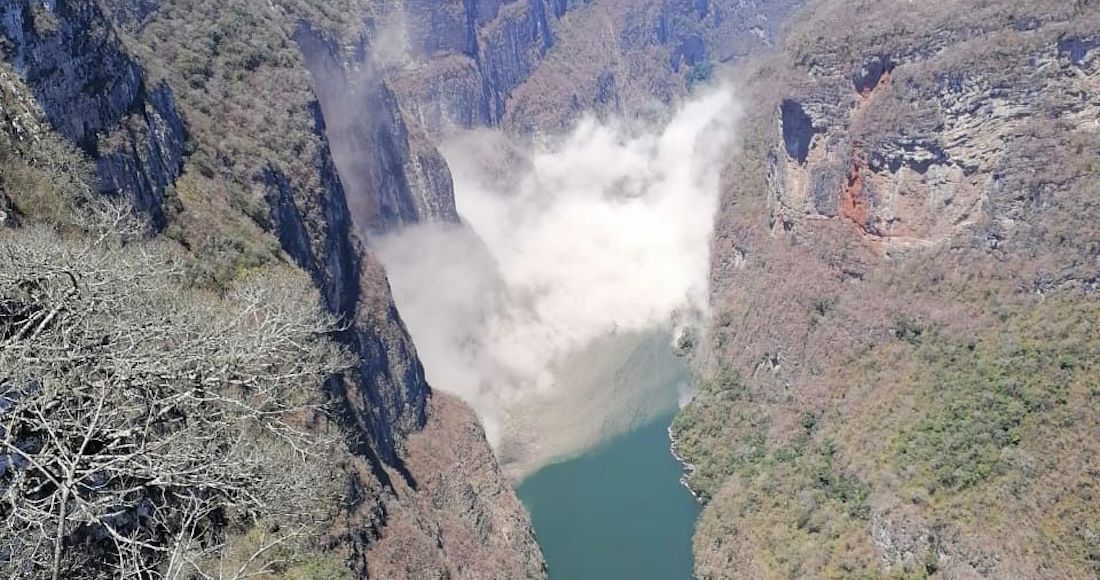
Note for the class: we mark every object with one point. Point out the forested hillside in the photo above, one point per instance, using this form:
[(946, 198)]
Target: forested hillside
[(901, 374)]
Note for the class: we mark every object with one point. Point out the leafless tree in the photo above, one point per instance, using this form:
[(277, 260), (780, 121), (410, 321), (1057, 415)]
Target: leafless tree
[(137, 416)]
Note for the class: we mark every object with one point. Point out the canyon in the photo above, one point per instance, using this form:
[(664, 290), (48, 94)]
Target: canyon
[(893, 338), (250, 133)]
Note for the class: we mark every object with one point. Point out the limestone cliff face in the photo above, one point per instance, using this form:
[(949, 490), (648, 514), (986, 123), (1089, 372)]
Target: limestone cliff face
[(901, 244), (535, 65), (386, 398), (94, 94), (422, 69), (912, 162), (393, 174), (463, 521)]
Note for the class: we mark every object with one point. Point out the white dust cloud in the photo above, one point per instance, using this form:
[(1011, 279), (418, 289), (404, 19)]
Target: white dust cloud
[(552, 310)]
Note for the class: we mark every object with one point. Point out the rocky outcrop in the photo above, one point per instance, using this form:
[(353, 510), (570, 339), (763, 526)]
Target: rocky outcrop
[(871, 73), (459, 63), (1077, 50), (468, 57), (386, 398), (392, 173), (94, 94), (926, 182), (629, 58), (464, 521), (484, 62)]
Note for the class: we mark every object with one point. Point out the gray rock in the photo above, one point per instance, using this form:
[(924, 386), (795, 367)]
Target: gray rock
[(798, 129), (90, 88), (870, 73), (916, 154), (1077, 50), (826, 182)]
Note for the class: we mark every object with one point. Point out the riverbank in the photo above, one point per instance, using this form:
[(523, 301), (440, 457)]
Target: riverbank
[(687, 467)]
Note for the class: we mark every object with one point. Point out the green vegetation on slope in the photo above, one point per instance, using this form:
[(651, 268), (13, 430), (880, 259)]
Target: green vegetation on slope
[(964, 422)]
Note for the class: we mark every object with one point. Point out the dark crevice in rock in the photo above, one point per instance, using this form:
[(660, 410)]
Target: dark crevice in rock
[(1077, 49), (871, 72), (798, 130)]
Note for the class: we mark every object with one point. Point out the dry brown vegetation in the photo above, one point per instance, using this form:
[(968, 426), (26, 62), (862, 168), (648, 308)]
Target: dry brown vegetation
[(37, 165), (143, 424)]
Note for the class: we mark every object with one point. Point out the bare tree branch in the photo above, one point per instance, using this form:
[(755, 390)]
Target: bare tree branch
[(135, 413)]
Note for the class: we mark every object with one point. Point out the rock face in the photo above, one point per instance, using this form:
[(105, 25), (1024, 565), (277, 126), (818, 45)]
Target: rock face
[(903, 256), (454, 68), (95, 95), (387, 398), (472, 55), (394, 176), (534, 66), (918, 157), (619, 57), (429, 533), (423, 69)]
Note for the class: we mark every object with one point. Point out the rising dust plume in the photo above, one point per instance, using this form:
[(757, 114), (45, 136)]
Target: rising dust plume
[(552, 309)]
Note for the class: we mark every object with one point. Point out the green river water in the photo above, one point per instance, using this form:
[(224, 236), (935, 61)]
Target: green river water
[(615, 513)]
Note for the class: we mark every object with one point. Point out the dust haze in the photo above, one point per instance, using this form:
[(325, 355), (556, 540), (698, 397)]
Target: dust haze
[(554, 308)]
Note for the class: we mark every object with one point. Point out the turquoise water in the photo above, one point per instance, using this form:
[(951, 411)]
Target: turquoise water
[(616, 513)]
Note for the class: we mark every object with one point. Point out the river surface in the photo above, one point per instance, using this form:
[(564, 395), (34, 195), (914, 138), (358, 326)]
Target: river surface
[(618, 512)]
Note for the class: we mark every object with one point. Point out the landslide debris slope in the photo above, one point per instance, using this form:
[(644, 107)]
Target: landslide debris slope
[(902, 374)]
